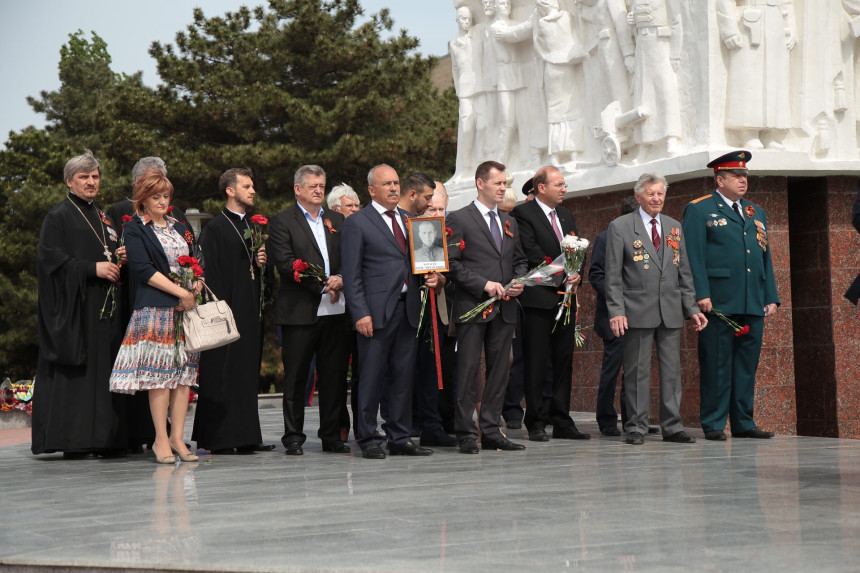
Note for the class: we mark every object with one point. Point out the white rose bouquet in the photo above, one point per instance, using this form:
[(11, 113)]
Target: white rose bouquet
[(573, 252)]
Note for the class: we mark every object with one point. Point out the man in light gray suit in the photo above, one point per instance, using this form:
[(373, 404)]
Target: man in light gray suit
[(649, 292)]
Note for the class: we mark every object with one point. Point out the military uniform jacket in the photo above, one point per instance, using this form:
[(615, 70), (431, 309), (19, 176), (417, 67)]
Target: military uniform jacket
[(730, 257)]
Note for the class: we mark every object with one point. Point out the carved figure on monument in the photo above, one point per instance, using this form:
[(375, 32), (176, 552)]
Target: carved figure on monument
[(658, 29), (759, 35), (616, 49), (466, 62), (852, 11), (513, 105), (558, 42), (487, 143)]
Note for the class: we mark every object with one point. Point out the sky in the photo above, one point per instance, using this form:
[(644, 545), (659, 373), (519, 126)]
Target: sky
[(32, 32)]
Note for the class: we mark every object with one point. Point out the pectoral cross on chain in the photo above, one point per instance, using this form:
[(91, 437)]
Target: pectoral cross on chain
[(251, 266), (107, 254)]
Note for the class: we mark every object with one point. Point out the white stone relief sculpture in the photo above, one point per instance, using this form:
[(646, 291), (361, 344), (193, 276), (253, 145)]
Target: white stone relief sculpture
[(559, 41), (759, 35), (514, 122), (658, 30), (616, 88), (466, 62)]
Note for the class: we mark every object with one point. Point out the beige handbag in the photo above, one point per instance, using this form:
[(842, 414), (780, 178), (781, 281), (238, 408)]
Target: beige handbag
[(209, 325)]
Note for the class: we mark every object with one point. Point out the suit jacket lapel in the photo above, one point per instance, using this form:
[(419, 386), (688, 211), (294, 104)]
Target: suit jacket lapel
[(377, 218), (482, 224), (644, 235), (306, 228)]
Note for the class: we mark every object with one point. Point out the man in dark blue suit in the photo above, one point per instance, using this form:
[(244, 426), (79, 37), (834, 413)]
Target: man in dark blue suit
[(613, 346), (382, 296)]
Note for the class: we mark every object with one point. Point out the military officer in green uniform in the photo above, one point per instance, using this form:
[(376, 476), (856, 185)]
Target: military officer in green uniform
[(727, 244)]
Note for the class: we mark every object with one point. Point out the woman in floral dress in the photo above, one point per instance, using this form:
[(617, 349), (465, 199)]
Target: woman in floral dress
[(152, 356)]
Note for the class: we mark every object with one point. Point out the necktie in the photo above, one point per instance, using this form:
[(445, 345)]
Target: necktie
[(655, 236), (495, 231), (398, 232), (555, 228), (737, 209)]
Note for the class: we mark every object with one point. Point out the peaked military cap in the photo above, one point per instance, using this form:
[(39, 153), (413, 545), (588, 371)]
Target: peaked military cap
[(735, 162), (529, 187)]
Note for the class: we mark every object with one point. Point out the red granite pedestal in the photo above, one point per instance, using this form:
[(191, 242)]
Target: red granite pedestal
[(809, 375)]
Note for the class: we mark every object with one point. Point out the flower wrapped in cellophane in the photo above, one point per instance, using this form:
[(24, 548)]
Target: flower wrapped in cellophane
[(573, 250), (548, 273)]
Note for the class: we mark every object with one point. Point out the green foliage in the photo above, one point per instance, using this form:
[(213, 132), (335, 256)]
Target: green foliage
[(270, 88)]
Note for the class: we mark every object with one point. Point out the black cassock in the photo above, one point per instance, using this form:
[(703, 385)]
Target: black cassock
[(73, 407), (226, 415)]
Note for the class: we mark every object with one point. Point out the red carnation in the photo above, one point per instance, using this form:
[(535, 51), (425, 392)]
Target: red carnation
[(169, 209), (448, 231), (198, 270), (184, 260), (126, 218), (742, 331), (547, 260), (297, 277), (299, 266), (259, 220), (462, 244)]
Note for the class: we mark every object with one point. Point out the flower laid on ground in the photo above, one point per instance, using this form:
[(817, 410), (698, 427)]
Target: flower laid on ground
[(258, 236), (547, 274), (16, 396), (189, 271), (739, 330), (109, 305), (303, 269), (573, 252)]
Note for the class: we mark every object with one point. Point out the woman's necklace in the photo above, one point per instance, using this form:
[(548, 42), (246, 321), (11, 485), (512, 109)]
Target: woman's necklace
[(248, 251), (103, 241)]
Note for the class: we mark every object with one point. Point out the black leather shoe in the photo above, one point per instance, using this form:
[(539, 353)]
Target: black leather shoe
[(514, 425), (569, 434), (635, 438), (716, 436), (294, 449), (754, 433), (373, 452), (264, 447), (408, 449), (468, 446), (538, 435), (335, 447), (500, 443), (680, 438), (438, 439), (610, 432)]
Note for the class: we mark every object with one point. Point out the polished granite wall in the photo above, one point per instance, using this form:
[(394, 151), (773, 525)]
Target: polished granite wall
[(809, 374)]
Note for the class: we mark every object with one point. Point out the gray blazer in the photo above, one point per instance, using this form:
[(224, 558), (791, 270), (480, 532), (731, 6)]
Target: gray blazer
[(663, 292)]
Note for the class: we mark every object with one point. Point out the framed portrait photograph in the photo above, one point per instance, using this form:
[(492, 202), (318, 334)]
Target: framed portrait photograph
[(427, 244)]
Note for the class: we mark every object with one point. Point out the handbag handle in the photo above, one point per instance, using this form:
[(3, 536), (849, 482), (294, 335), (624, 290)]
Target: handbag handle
[(209, 290)]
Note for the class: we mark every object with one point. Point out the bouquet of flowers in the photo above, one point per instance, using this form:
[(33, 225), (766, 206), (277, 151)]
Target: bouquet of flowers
[(189, 271), (109, 305), (739, 330), (573, 252), (548, 273), (258, 236), (303, 269)]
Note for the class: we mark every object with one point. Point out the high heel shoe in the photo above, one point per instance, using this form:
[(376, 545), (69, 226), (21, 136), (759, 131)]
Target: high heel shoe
[(189, 457), (164, 459)]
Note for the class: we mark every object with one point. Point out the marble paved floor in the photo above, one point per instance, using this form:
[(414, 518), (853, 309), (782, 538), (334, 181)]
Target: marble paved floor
[(788, 504)]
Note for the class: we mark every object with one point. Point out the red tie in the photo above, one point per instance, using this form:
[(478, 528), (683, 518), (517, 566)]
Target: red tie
[(398, 232), (655, 236)]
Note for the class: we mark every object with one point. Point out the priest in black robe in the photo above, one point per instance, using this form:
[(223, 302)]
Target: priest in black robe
[(74, 411), (226, 420), (139, 416)]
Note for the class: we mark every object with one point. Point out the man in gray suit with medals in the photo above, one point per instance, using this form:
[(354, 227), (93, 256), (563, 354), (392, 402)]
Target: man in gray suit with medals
[(649, 292)]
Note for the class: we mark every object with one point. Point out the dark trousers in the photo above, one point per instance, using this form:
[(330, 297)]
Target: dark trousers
[(512, 409), (540, 345), (727, 368), (494, 338), (327, 337), (390, 350), (613, 357)]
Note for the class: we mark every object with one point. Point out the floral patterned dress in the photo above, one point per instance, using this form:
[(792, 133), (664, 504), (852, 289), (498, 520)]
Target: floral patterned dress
[(150, 357)]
